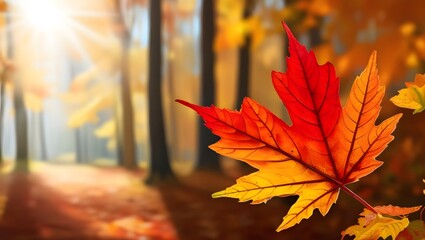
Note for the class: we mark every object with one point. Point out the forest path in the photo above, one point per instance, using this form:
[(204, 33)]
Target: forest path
[(64, 201), (81, 202)]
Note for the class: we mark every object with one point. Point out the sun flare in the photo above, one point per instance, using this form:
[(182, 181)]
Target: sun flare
[(44, 15)]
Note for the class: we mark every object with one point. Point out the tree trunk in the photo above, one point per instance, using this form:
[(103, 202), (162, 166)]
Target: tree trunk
[(2, 98), (160, 168), (43, 145), (78, 147), (21, 131), (207, 159), (244, 61), (315, 33), (127, 124), (126, 142), (22, 161)]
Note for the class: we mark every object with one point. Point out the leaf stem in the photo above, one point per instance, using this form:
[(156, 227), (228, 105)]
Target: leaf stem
[(358, 198)]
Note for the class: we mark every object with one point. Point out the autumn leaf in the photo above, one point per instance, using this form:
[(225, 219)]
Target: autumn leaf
[(415, 230), (396, 211), (413, 96), (373, 226), (325, 148)]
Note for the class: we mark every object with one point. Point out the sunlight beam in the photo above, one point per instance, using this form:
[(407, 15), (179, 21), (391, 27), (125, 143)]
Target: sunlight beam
[(43, 15)]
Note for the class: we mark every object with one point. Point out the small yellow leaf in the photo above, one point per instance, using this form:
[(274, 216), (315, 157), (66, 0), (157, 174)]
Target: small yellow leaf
[(413, 96), (374, 226)]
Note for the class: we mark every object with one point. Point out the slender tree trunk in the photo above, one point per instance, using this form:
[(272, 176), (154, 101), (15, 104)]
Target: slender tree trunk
[(207, 159), (127, 124), (159, 163), (127, 143), (243, 73), (82, 135), (78, 149), (2, 98), (43, 145), (315, 33), (244, 68), (244, 60), (21, 128), (315, 36)]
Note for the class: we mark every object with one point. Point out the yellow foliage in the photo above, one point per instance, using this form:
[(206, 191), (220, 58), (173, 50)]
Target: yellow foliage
[(108, 130), (137, 67), (373, 226), (233, 27), (413, 96), (88, 113)]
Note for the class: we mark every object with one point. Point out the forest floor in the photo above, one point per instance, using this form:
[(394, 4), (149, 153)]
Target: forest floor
[(88, 202)]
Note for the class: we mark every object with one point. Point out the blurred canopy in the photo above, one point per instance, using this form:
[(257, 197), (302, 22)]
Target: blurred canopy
[(73, 69)]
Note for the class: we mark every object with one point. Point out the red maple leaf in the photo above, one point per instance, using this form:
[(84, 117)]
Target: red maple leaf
[(325, 148)]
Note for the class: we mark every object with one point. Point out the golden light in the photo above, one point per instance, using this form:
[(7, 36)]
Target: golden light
[(72, 26), (47, 16), (44, 15)]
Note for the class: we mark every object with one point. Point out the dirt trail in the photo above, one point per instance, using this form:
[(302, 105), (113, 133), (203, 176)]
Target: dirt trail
[(82, 202), (85, 202)]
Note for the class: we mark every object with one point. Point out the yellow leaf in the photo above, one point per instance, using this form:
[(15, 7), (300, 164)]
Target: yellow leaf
[(374, 226), (260, 186), (413, 96)]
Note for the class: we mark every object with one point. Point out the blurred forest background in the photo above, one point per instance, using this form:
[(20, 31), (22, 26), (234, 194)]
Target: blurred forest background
[(88, 118)]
